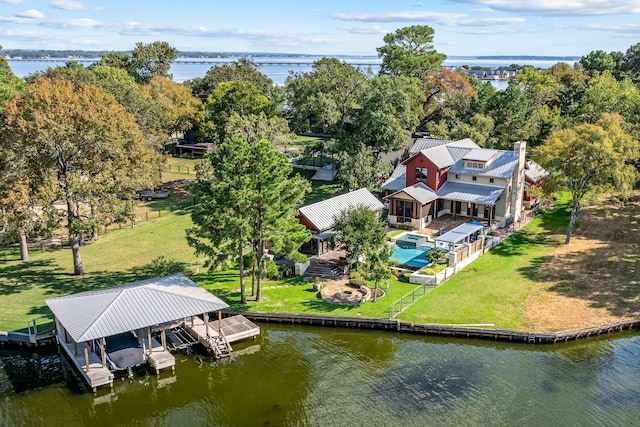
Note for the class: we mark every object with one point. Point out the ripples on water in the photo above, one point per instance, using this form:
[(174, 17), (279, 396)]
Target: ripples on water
[(312, 376)]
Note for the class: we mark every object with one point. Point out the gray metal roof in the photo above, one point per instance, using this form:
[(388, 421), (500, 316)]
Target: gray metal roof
[(467, 192), (459, 233), (102, 313), (419, 192), (502, 166), (439, 156), (534, 171), (426, 143), (397, 180), (481, 154), (322, 214)]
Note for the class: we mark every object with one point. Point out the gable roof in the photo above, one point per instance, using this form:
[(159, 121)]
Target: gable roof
[(534, 171), (426, 143), (105, 312), (321, 214), (467, 192), (419, 192), (439, 156)]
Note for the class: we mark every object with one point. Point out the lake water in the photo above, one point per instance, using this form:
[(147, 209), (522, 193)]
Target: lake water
[(297, 376), (279, 68)]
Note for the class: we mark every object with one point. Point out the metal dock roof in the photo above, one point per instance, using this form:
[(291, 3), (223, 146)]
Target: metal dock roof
[(102, 313)]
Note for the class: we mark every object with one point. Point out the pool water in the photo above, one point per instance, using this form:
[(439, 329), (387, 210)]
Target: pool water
[(410, 256)]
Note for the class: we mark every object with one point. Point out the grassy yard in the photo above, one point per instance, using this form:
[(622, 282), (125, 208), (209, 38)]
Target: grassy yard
[(296, 296), (493, 288)]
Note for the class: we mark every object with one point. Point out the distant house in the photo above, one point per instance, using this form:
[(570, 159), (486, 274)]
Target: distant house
[(456, 178), (534, 176), (319, 217)]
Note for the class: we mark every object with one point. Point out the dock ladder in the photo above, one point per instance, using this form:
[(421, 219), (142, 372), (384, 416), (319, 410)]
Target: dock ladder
[(220, 346)]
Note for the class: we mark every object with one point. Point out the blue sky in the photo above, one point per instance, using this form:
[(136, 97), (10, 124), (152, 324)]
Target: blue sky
[(329, 27)]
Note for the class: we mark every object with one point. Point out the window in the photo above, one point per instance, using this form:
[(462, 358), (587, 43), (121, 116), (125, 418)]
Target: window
[(404, 210), (421, 174), (474, 178), (491, 180), (457, 176), (469, 165)]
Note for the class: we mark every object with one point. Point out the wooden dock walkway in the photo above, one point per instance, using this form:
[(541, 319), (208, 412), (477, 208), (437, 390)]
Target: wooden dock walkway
[(158, 357), (95, 374)]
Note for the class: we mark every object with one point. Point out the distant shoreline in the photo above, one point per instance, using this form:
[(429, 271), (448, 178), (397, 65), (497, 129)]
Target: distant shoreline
[(27, 54)]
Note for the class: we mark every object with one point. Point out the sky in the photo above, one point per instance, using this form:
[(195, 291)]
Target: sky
[(324, 27)]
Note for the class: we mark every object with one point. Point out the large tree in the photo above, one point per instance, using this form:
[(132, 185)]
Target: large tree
[(10, 84), (226, 99), (174, 106), (243, 70), (359, 231), (83, 146), (409, 52), (326, 98), (589, 159), (145, 62), (250, 198)]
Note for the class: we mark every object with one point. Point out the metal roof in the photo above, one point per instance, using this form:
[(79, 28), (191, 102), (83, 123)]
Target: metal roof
[(425, 143), (419, 192), (397, 180), (467, 192), (322, 214), (481, 154), (502, 166), (534, 171), (102, 313), (459, 233)]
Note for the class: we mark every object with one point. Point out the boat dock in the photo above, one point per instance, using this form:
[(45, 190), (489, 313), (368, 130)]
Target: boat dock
[(92, 368), (158, 356), (217, 335)]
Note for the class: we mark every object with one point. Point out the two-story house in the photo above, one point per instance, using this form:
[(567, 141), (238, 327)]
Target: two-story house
[(456, 178)]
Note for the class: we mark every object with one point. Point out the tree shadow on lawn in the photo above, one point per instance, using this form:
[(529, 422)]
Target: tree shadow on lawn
[(606, 276), (531, 270)]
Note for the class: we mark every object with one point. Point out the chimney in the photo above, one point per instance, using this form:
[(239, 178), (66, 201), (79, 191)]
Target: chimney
[(519, 152)]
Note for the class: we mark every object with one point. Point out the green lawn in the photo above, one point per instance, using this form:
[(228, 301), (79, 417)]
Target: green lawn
[(296, 296), (492, 290)]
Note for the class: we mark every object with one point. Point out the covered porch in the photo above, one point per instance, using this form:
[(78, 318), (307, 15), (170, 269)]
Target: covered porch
[(472, 201), (415, 205)]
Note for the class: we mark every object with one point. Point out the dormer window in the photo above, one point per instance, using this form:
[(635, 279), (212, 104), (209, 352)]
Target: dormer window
[(475, 165), (421, 174)]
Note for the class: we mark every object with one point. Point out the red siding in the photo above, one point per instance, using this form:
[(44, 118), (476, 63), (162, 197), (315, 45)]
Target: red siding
[(420, 161), (304, 221)]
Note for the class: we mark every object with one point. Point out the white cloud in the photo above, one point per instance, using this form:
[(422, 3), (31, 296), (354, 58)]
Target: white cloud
[(68, 5), (561, 7), (30, 14), (367, 29), (399, 16)]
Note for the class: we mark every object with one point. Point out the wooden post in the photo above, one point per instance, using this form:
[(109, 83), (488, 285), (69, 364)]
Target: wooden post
[(86, 356), (149, 339), (164, 339), (75, 348), (220, 322), (206, 325), (102, 353)]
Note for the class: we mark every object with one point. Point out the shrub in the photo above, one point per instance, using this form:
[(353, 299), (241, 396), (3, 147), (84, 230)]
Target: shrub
[(271, 270), (356, 278), (162, 266), (434, 269)]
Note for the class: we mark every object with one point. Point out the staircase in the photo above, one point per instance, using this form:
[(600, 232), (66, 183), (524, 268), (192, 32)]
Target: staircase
[(323, 269), (220, 346)]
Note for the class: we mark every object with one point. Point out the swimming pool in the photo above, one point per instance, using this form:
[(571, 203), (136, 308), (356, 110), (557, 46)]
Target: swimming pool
[(407, 255)]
